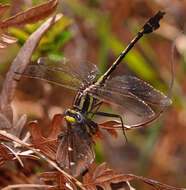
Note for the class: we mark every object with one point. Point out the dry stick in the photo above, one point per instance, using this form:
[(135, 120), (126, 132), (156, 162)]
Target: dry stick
[(25, 185), (15, 154), (172, 60), (26, 145)]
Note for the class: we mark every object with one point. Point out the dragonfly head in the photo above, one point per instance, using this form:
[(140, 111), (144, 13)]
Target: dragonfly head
[(73, 117)]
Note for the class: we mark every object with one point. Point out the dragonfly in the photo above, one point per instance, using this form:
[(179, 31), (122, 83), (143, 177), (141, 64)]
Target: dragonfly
[(138, 101)]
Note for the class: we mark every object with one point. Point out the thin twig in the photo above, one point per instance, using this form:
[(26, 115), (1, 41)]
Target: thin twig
[(15, 154), (25, 185), (172, 61)]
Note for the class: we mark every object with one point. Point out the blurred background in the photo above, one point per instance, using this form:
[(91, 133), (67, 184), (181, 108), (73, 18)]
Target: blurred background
[(97, 31)]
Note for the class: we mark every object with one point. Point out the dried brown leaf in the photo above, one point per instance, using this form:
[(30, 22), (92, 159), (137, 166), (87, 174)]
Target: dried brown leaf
[(25, 186), (15, 154), (103, 178), (31, 15), (56, 126), (110, 124), (4, 122), (7, 155), (47, 145), (107, 179), (157, 185), (3, 9), (3, 45), (57, 177), (111, 127), (17, 129), (28, 156), (19, 64), (97, 136), (4, 38), (100, 169)]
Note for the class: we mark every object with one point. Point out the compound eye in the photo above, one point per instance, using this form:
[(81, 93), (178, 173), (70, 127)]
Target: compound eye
[(78, 117), (67, 112)]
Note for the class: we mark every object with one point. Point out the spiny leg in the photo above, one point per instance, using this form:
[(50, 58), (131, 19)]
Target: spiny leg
[(97, 106), (93, 127), (113, 115)]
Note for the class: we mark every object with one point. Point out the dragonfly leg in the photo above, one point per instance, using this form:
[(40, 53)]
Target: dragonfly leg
[(92, 125), (113, 115), (95, 106)]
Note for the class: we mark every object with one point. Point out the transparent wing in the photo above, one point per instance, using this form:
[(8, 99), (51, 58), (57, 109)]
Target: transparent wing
[(88, 71), (144, 91), (138, 100), (75, 152), (61, 73), (52, 75), (84, 71)]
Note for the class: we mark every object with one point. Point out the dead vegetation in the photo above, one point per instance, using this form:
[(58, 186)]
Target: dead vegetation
[(24, 145)]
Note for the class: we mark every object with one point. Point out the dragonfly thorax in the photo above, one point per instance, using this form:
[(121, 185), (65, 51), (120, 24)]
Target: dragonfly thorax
[(73, 117)]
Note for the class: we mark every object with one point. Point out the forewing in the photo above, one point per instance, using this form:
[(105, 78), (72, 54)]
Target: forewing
[(137, 100), (52, 75), (75, 152), (84, 71), (66, 74), (88, 71)]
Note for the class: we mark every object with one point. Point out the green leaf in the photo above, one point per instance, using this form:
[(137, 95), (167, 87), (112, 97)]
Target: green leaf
[(62, 38), (104, 34), (30, 28), (19, 34), (59, 27)]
